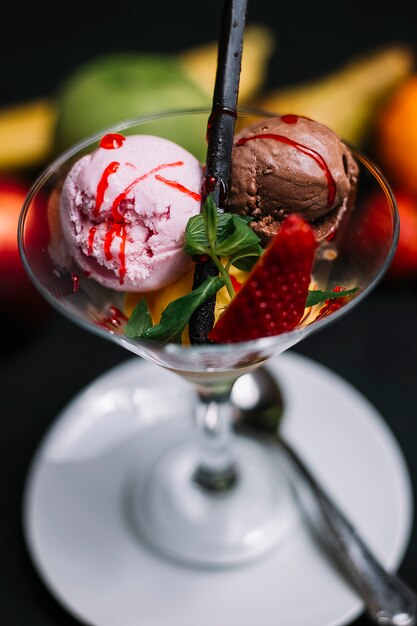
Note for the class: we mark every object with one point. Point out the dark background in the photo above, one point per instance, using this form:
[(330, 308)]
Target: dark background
[(375, 347)]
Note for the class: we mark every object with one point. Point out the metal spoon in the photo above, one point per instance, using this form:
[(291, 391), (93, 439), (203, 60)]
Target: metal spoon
[(388, 600)]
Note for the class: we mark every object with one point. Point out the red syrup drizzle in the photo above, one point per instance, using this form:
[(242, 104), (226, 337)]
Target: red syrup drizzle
[(75, 282), (305, 150), (112, 141), (117, 230), (330, 306), (129, 188), (115, 318), (176, 185), (289, 118), (90, 242), (119, 226), (208, 185), (103, 184)]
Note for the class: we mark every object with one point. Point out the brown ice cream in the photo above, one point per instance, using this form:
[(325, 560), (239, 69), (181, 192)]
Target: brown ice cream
[(291, 164)]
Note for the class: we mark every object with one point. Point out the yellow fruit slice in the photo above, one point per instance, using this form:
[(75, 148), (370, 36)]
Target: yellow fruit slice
[(158, 300), (200, 63), (26, 132)]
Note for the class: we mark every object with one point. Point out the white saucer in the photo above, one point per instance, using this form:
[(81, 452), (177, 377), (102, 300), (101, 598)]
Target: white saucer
[(92, 562)]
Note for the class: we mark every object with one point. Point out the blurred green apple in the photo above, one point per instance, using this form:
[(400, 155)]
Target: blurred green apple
[(118, 87)]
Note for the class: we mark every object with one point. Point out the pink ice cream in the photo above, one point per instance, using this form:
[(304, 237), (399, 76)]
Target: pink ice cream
[(124, 210)]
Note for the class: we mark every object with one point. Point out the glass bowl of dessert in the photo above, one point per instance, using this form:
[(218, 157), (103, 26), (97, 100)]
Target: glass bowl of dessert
[(294, 246)]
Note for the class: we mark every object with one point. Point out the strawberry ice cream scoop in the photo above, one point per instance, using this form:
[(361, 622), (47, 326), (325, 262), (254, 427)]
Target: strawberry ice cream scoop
[(124, 210)]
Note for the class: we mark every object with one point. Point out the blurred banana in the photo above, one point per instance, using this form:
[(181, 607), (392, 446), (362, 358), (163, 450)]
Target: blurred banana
[(200, 63), (26, 134), (348, 99)]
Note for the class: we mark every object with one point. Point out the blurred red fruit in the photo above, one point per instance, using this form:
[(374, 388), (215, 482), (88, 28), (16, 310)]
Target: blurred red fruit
[(17, 294), (404, 264)]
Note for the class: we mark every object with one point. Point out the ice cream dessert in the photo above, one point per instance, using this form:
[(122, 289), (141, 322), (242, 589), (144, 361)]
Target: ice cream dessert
[(132, 216), (124, 210), (291, 164)]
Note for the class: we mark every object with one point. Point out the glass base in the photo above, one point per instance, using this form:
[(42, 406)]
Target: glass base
[(193, 525)]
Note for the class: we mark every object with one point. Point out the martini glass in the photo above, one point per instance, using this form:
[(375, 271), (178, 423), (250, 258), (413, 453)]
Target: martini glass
[(204, 495)]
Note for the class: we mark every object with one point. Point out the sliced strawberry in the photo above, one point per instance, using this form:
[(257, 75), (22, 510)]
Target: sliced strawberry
[(273, 298)]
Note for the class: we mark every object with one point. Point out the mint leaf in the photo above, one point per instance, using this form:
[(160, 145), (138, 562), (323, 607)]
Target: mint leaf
[(317, 296), (222, 234), (246, 218), (219, 235), (239, 238), (210, 215), (140, 320), (247, 259), (178, 312), (196, 241)]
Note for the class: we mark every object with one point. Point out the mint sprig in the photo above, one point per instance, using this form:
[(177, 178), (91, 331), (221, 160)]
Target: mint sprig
[(175, 316), (219, 236), (222, 235), (317, 296)]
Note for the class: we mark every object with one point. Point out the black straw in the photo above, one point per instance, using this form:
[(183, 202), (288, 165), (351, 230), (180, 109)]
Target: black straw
[(220, 132)]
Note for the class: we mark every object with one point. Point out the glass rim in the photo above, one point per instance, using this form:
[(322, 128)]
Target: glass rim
[(171, 348)]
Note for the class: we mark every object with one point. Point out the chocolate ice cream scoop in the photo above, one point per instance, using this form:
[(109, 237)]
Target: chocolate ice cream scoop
[(291, 164)]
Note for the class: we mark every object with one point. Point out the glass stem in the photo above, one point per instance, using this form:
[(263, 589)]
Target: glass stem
[(213, 416)]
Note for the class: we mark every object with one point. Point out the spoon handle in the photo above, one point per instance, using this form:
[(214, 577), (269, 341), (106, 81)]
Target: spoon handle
[(388, 600)]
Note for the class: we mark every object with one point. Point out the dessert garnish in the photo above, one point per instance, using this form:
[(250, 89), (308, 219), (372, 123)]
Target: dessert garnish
[(225, 238), (271, 301), (174, 318)]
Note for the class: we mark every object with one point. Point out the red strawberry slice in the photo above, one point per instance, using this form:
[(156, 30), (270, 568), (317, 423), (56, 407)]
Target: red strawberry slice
[(273, 298)]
